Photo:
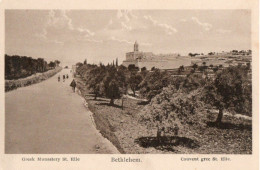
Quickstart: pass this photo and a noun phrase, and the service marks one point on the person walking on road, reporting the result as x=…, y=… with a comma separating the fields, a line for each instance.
x=64, y=78
x=73, y=85
x=59, y=78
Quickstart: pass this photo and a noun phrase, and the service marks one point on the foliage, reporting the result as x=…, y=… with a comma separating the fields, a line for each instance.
x=95, y=79
x=132, y=67
x=153, y=83
x=194, y=66
x=192, y=82
x=193, y=54
x=143, y=73
x=114, y=84
x=109, y=81
x=134, y=80
x=170, y=110
x=22, y=82
x=180, y=69
x=143, y=69
x=116, y=62
x=57, y=63
x=215, y=69
x=232, y=90
x=23, y=66
x=52, y=64
x=79, y=64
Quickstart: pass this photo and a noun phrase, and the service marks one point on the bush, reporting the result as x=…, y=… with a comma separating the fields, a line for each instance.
x=170, y=110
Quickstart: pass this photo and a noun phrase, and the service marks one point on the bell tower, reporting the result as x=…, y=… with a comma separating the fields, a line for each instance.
x=136, y=46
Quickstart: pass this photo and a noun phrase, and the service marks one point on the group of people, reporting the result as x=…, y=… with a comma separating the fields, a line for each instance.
x=72, y=84
x=64, y=77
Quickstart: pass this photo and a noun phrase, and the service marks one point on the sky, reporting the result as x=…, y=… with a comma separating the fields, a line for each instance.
x=72, y=36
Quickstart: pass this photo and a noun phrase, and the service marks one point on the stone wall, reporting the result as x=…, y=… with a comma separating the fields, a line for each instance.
x=165, y=64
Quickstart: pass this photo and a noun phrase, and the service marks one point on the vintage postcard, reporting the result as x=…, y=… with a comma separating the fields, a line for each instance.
x=129, y=85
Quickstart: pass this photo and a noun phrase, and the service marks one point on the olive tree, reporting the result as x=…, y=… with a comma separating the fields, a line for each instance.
x=231, y=90
x=95, y=79
x=170, y=110
x=134, y=80
x=114, y=83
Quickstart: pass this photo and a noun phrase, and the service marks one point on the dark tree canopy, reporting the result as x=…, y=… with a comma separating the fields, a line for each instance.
x=23, y=66
x=132, y=67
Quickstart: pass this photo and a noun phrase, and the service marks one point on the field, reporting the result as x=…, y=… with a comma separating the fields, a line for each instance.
x=122, y=128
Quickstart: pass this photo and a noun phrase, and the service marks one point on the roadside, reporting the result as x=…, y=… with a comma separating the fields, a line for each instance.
x=38, y=77
x=114, y=123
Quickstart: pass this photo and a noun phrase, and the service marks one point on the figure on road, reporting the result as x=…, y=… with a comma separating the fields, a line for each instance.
x=73, y=85
x=59, y=78
x=64, y=78
x=67, y=76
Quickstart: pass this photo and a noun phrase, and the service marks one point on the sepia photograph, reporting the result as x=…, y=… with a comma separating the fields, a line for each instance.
x=148, y=81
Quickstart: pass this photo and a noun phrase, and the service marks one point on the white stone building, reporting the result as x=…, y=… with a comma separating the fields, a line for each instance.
x=149, y=60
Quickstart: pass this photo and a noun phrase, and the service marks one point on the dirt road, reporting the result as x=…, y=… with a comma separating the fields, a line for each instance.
x=48, y=118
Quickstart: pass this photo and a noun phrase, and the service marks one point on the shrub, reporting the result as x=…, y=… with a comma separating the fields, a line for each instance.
x=171, y=109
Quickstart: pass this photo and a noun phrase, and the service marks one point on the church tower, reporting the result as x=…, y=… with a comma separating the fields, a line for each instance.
x=136, y=46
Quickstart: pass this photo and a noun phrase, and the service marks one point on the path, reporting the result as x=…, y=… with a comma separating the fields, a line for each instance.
x=48, y=118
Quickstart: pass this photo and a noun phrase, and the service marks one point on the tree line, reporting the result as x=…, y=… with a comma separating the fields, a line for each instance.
x=173, y=100
x=233, y=52
x=184, y=99
x=22, y=66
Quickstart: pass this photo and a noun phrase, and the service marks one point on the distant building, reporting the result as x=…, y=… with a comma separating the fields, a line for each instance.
x=149, y=60
x=73, y=68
